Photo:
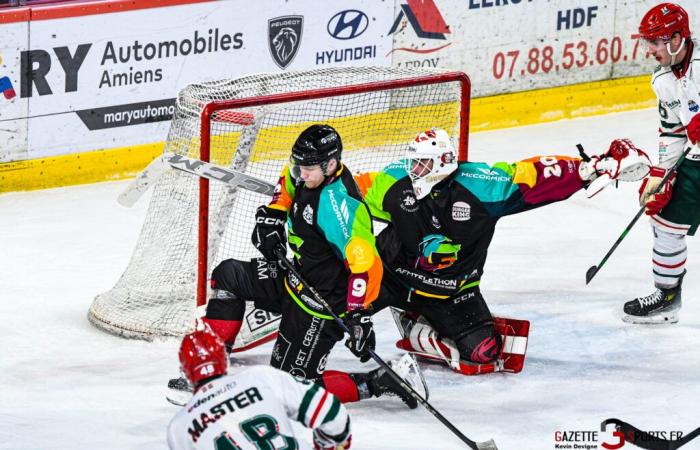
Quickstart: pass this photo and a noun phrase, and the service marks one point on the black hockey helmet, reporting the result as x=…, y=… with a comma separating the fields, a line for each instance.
x=317, y=144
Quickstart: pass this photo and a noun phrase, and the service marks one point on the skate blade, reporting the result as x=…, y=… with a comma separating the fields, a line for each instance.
x=407, y=368
x=487, y=445
x=178, y=398
x=663, y=318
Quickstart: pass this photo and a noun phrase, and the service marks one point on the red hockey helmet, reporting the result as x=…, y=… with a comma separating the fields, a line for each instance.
x=202, y=355
x=663, y=21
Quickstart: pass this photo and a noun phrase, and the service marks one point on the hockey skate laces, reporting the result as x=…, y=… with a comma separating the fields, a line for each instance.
x=651, y=299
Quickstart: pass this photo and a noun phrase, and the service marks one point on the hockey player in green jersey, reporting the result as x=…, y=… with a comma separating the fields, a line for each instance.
x=251, y=409
x=674, y=211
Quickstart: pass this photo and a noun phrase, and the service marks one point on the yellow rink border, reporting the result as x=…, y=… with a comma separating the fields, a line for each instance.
x=487, y=113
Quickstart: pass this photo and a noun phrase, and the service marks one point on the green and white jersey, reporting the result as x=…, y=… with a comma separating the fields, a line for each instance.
x=253, y=409
x=678, y=93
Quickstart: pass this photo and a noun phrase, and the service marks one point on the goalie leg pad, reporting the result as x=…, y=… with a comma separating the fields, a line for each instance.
x=481, y=344
x=422, y=341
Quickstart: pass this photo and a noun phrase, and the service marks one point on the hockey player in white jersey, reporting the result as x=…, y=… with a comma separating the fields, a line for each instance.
x=251, y=409
x=675, y=210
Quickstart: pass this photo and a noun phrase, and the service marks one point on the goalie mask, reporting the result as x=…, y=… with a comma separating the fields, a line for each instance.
x=431, y=158
x=316, y=145
x=202, y=355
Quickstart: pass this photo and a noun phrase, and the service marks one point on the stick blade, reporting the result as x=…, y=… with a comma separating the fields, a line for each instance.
x=590, y=273
x=143, y=181
x=487, y=445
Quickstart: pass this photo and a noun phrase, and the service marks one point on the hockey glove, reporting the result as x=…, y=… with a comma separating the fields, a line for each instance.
x=623, y=161
x=269, y=233
x=361, y=339
x=323, y=441
x=654, y=203
x=693, y=129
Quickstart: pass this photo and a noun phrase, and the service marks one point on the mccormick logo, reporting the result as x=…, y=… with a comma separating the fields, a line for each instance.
x=426, y=21
x=284, y=38
x=348, y=24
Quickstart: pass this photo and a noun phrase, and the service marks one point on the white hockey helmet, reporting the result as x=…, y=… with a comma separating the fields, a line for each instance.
x=431, y=158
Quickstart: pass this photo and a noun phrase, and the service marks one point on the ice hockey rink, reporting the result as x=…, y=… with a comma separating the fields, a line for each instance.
x=66, y=385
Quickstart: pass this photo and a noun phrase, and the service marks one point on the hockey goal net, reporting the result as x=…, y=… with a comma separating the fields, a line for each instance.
x=249, y=124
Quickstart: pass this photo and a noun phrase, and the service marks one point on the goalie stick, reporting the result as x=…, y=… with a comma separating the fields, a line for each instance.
x=593, y=270
x=487, y=445
x=210, y=171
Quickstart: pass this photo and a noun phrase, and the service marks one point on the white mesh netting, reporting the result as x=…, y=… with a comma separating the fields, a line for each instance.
x=156, y=294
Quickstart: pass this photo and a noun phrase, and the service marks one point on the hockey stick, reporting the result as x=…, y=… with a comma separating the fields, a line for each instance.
x=642, y=439
x=593, y=270
x=204, y=169
x=488, y=445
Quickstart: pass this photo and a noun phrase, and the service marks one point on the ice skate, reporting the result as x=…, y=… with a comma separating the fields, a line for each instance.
x=380, y=382
x=179, y=391
x=659, y=307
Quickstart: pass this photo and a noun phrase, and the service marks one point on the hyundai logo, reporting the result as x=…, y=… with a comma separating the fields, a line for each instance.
x=348, y=24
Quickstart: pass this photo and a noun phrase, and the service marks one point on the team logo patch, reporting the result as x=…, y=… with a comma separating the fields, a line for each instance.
x=284, y=38
x=409, y=203
x=693, y=106
x=308, y=301
x=298, y=373
x=280, y=350
x=308, y=214
x=322, y=364
x=461, y=211
x=257, y=319
x=436, y=222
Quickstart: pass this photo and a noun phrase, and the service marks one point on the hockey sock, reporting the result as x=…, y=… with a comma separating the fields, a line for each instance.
x=225, y=315
x=342, y=385
x=227, y=330
x=669, y=257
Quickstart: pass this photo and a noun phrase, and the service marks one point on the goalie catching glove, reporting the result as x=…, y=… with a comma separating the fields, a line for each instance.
x=654, y=203
x=361, y=340
x=269, y=233
x=622, y=162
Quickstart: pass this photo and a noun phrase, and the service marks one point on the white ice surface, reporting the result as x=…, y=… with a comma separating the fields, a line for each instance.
x=66, y=385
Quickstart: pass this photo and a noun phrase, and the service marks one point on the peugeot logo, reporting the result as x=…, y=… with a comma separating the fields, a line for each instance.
x=348, y=24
